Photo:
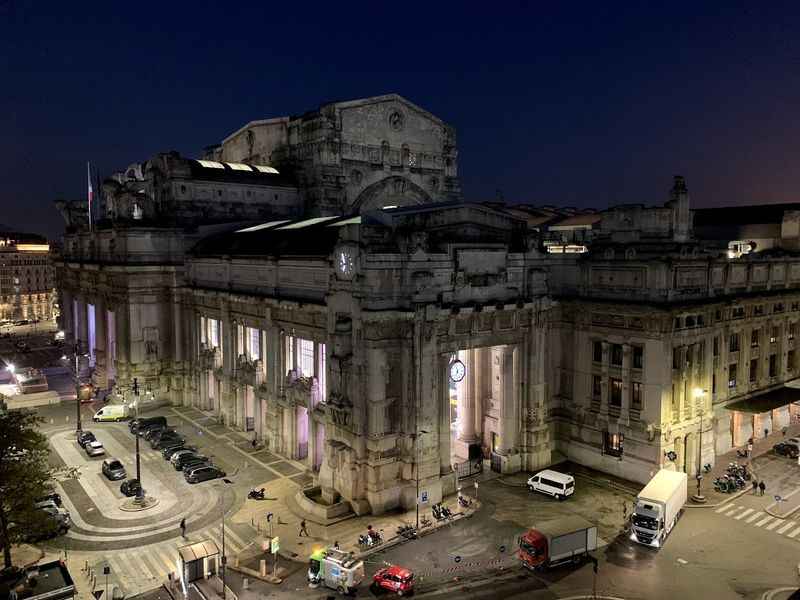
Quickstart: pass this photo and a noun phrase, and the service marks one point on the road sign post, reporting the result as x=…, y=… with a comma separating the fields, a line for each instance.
x=476, y=490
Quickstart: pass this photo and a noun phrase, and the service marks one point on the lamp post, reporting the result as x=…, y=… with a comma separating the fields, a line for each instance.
x=698, y=497
x=76, y=348
x=416, y=459
x=140, y=489
x=224, y=558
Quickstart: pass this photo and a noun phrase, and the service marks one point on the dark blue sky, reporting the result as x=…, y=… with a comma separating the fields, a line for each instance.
x=573, y=105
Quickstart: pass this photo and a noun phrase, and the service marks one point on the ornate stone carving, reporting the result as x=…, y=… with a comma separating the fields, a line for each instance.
x=397, y=120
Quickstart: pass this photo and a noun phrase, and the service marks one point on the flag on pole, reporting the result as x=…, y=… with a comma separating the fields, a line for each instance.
x=91, y=192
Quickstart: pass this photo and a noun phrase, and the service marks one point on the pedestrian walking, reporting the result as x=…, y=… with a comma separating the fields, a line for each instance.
x=303, y=529
x=766, y=432
x=762, y=486
x=755, y=486
x=183, y=527
x=336, y=544
x=749, y=450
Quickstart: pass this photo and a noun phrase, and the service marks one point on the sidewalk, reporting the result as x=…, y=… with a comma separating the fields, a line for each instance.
x=761, y=447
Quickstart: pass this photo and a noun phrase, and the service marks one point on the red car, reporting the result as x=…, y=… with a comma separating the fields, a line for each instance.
x=395, y=579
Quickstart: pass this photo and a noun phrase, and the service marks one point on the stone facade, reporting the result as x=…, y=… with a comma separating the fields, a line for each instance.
x=27, y=278
x=329, y=325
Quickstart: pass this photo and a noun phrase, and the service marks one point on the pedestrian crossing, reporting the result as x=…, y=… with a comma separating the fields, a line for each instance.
x=140, y=569
x=761, y=520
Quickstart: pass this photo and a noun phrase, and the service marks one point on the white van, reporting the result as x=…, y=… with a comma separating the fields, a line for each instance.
x=553, y=484
x=112, y=412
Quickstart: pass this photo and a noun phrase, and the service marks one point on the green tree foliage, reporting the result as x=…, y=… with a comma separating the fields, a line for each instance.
x=25, y=476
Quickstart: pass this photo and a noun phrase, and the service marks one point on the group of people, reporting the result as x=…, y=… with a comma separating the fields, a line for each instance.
x=758, y=487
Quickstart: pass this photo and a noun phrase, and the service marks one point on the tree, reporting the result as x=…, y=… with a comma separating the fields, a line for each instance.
x=25, y=476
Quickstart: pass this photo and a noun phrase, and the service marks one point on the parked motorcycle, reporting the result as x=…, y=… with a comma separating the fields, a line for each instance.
x=407, y=531
x=256, y=494
x=371, y=538
x=464, y=502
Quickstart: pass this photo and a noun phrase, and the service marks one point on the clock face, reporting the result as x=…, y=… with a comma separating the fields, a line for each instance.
x=344, y=263
x=457, y=370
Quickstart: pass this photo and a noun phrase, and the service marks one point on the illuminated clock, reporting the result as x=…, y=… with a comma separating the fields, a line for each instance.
x=457, y=370
x=344, y=263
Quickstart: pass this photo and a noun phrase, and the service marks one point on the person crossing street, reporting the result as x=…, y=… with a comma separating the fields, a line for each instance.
x=183, y=527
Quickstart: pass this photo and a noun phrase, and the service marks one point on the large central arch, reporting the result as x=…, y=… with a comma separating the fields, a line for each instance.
x=392, y=191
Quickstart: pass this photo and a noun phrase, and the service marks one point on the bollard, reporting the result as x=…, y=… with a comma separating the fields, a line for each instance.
x=245, y=583
x=262, y=567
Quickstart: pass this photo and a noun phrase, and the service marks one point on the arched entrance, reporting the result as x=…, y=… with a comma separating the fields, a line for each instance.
x=392, y=191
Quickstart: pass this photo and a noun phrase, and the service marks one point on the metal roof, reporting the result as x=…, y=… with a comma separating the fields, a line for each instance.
x=198, y=550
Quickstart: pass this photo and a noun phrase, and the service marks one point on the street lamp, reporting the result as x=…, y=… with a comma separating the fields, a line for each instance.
x=416, y=459
x=224, y=558
x=699, y=394
x=140, y=489
x=76, y=348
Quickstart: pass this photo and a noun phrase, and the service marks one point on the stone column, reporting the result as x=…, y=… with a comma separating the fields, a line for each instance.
x=442, y=391
x=100, y=349
x=604, y=391
x=82, y=333
x=627, y=387
x=509, y=419
x=66, y=318
x=471, y=387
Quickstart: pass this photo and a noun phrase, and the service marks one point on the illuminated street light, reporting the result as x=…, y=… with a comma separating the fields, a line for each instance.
x=11, y=368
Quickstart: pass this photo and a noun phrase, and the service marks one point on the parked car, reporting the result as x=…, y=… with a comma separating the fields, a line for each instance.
x=191, y=460
x=166, y=440
x=55, y=497
x=169, y=451
x=84, y=437
x=203, y=473
x=177, y=455
x=154, y=430
x=395, y=579
x=552, y=483
x=94, y=448
x=130, y=487
x=113, y=469
x=793, y=441
x=141, y=421
x=785, y=449
x=155, y=433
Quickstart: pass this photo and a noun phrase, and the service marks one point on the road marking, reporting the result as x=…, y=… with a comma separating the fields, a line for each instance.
x=143, y=566
x=754, y=516
x=730, y=513
x=159, y=569
x=764, y=520
x=743, y=514
x=794, y=533
x=723, y=508
x=236, y=538
x=772, y=526
x=787, y=527
x=163, y=555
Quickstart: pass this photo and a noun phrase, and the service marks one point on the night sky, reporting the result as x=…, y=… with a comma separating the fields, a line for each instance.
x=578, y=105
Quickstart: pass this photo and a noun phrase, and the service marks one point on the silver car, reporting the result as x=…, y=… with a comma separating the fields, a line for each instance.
x=113, y=469
x=95, y=448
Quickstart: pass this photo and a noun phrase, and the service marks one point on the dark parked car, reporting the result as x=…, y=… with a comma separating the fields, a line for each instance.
x=130, y=487
x=155, y=431
x=785, y=449
x=168, y=451
x=134, y=424
x=113, y=469
x=55, y=497
x=190, y=459
x=182, y=452
x=85, y=437
x=166, y=440
x=203, y=473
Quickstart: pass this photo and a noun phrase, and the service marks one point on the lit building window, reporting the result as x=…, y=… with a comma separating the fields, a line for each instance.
x=612, y=444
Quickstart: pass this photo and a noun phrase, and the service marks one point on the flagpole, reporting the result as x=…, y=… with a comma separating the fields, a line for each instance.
x=91, y=191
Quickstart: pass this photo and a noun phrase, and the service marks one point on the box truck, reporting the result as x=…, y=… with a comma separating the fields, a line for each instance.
x=658, y=507
x=549, y=544
x=335, y=569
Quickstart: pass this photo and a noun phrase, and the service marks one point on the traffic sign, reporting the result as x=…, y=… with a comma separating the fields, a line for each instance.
x=423, y=497
x=476, y=485
x=275, y=545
